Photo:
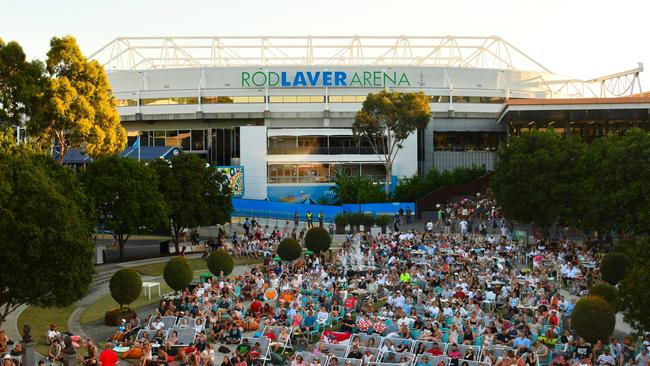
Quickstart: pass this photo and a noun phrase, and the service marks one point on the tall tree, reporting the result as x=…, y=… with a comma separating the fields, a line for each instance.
x=387, y=119
x=634, y=290
x=125, y=194
x=619, y=175
x=78, y=109
x=46, y=256
x=22, y=84
x=197, y=195
x=539, y=176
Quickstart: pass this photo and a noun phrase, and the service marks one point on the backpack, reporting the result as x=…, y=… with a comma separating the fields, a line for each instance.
x=223, y=349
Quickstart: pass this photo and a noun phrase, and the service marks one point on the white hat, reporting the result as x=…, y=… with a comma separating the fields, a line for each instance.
x=7, y=357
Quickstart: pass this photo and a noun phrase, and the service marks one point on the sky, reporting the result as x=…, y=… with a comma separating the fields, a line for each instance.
x=577, y=38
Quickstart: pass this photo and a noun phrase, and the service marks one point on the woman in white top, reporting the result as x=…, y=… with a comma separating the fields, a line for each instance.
x=207, y=355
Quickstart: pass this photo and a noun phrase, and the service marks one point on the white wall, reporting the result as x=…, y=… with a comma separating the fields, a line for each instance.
x=406, y=161
x=253, y=158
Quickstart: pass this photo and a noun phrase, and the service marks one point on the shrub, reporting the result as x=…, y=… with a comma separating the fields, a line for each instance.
x=318, y=240
x=356, y=219
x=125, y=286
x=383, y=220
x=289, y=250
x=367, y=220
x=342, y=218
x=178, y=273
x=607, y=292
x=593, y=319
x=614, y=266
x=220, y=261
x=114, y=317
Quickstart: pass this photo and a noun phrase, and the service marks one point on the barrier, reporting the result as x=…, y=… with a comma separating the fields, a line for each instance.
x=285, y=210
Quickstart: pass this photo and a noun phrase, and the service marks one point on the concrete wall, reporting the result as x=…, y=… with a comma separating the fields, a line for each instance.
x=253, y=158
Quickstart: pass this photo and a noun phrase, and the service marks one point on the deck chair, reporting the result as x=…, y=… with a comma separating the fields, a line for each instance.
x=432, y=360
x=276, y=330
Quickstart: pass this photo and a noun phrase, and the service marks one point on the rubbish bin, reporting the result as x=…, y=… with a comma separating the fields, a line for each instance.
x=164, y=247
x=203, y=278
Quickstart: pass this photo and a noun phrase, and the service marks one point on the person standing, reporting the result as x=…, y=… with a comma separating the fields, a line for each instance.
x=408, y=215
x=321, y=218
x=108, y=357
x=247, y=227
x=310, y=219
x=295, y=219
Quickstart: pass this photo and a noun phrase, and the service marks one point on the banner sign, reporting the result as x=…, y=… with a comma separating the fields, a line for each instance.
x=235, y=176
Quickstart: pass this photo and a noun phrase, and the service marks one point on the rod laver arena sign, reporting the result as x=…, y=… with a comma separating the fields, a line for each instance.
x=307, y=79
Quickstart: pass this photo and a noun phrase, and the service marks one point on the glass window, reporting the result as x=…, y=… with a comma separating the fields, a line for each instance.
x=184, y=139
x=312, y=145
x=282, y=173
x=467, y=141
x=347, y=98
x=376, y=172
x=198, y=140
x=282, y=145
x=144, y=138
x=159, y=138
x=126, y=102
x=256, y=99
x=313, y=173
x=232, y=99
x=171, y=138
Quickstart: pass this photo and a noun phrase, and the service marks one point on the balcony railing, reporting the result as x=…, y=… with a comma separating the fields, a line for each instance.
x=290, y=179
x=299, y=150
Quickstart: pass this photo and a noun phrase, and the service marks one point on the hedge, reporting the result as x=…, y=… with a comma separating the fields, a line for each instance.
x=607, y=292
x=289, y=250
x=125, y=286
x=614, y=266
x=178, y=273
x=318, y=240
x=593, y=319
x=220, y=261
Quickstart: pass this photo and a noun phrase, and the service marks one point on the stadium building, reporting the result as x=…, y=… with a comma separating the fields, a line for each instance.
x=278, y=110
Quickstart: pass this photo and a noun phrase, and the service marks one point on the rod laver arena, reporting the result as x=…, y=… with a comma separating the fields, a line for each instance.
x=280, y=109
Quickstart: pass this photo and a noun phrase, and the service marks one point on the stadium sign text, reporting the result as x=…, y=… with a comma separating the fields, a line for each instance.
x=298, y=79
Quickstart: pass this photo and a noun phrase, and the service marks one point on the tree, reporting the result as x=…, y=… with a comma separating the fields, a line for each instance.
x=593, y=319
x=318, y=240
x=539, y=177
x=634, y=289
x=410, y=189
x=126, y=197
x=77, y=108
x=46, y=246
x=178, y=273
x=196, y=194
x=620, y=170
x=220, y=263
x=350, y=189
x=387, y=119
x=614, y=266
x=289, y=249
x=125, y=286
x=22, y=84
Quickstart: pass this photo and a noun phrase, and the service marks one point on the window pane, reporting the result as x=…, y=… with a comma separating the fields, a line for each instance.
x=159, y=138
x=335, y=98
x=256, y=99
x=197, y=140
x=239, y=99
x=171, y=138
x=317, y=99
x=184, y=138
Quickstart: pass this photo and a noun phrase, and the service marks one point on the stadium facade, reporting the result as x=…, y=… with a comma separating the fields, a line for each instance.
x=280, y=109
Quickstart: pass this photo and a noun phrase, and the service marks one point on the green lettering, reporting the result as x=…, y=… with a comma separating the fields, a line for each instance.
x=366, y=78
x=388, y=78
x=262, y=77
x=404, y=79
x=274, y=78
x=376, y=78
x=355, y=79
x=244, y=79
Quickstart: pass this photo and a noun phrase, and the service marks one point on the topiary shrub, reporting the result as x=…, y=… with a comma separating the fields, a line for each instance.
x=318, y=240
x=220, y=262
x=607, y=292
x=593, y=319
x=368, y=220
x=114, y=317
x=125, y=286
x=289, y=250
x=614, y=266
x=382, y=220
x=342, y=220
x=178, y=273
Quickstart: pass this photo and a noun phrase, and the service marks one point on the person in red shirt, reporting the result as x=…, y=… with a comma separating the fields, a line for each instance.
x=256, y=306
x=459, y=294
x=435, y=350
x=108, y=357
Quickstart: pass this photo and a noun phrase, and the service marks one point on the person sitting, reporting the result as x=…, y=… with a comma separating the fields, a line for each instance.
x=4, y=341
x=255, y=353
x=234, y=334
x=54, y=352
x=91, y=358
x=121, y=331
x=347, y=324
x=52, y=333
x=243, y=348
x=157, y=324
x=282, y=339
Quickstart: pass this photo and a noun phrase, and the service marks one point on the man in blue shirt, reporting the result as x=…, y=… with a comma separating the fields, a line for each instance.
x=521, y=342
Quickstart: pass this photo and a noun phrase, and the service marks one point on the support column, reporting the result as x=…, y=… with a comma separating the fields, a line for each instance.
x=29, y=353
x=70, y=359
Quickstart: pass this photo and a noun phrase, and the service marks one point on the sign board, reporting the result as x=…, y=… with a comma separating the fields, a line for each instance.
x=235, y=176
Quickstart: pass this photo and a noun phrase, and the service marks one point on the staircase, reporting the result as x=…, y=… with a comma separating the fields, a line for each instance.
x=425, y=205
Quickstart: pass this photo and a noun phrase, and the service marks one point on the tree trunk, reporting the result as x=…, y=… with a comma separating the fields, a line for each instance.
x=389, y=168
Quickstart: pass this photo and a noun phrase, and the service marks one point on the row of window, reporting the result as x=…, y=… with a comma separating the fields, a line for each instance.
x=467, y=141
x=318, y=145
x=322, y=172
x=188, y=140
x=289, y=99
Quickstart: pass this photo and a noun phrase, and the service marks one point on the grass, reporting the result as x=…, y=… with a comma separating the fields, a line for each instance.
x=156, y=269
x=97, y=310
x=39, y=319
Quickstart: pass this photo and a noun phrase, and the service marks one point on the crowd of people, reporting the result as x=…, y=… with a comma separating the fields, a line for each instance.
x=460, y=292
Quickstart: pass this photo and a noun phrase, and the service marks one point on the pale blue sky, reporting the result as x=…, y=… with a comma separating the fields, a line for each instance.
x=571, y=37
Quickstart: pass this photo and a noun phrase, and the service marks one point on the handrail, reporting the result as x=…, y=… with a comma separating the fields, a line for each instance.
x=446, y=193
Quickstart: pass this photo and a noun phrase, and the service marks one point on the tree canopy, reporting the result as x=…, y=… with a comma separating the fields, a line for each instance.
x=46, y=246
x=77, y=108
x=387, y=119
x=22, y=84
x=634, y=289
x=539, y=178
x=196, y=194
x=356, y=189
x=125, y=195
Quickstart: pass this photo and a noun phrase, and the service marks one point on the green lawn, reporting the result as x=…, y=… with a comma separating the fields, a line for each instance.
x=39, y=319
x=156, y=269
